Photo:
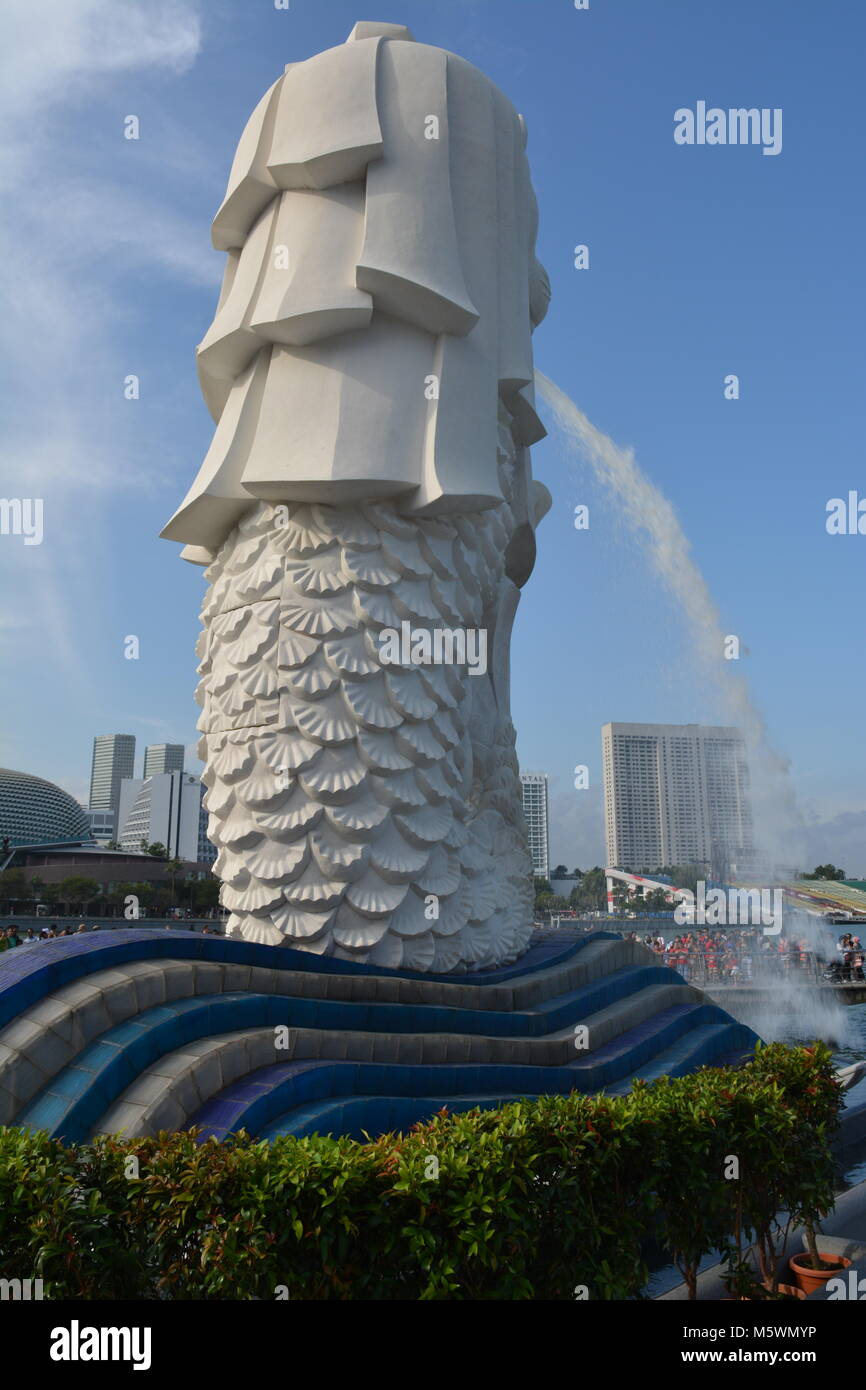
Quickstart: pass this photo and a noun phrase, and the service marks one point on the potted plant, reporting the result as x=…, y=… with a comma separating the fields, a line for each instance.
x=690, y=1141
x=814, y=1267
x=812, y=1092
x=780, y=1112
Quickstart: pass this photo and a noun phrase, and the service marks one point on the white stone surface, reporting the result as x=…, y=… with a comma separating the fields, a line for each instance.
x=369, y=369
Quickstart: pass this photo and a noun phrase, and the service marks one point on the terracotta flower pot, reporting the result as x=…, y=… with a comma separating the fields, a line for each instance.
x=809, y=1279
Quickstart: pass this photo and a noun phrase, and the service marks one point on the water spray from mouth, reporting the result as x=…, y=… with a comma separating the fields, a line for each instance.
x=651, y=518
x=793, y=1010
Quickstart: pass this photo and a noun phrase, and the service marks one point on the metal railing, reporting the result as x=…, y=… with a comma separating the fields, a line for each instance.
x=720, y=968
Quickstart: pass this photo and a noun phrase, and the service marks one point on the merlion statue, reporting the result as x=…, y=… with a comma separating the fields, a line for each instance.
x=366, y=511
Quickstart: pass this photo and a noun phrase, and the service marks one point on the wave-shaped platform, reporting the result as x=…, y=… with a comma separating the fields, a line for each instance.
x=140, y=1030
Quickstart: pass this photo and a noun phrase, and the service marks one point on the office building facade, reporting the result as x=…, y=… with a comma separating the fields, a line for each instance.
x=163, y=757
x=113, y=760
x=677, y=794
x=535, y=813
x=165, y=809
x=101, y=826
x=207, y=852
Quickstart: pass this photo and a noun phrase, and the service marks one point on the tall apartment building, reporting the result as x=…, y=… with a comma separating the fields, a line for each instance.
x=676, y=794
x=113, y=760
x=165, y=809
x=207, y=851
x=534, y=786
x=163, y=757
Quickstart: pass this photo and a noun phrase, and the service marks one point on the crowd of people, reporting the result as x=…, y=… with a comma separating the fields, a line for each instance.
x=850, y=959
x=731, y=956
x=28, y=936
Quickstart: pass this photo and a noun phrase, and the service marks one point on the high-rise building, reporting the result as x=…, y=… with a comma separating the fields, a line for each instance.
x=534, y=786
x=163, y=757
x=101, y=826
x=113, y=759
x=676, y=794
x=165, y=809
x=207, y=851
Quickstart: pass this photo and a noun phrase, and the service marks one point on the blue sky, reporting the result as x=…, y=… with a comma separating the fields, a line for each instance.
x=703, y=261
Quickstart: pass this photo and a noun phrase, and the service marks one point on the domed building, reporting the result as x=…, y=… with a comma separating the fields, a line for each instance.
x=36, y=812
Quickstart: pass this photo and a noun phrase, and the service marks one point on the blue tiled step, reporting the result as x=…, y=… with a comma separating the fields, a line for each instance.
x=29, y=975
x=624, y=1055
x=83, y=1090
x=254, y=1101
x=698, y=1048
x=674, y=1038
x=360, y=1115
x=74, y=1099
x=79, y=1012
x=371, y=1115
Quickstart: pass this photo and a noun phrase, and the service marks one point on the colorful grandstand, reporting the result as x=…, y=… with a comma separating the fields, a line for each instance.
x=827, y=895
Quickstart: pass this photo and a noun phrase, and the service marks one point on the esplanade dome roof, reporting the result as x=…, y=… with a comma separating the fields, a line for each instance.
x=36, y=812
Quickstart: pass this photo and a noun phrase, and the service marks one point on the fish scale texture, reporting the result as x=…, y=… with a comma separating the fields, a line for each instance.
x=361, y=809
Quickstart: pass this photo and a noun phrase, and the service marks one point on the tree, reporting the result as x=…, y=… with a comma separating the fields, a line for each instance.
x=550, y=902
x=13, y=886
x=144, y=892
x=78, y=891
x=622, y=899
x=157, y=850
x=118, y=893
x=828, y=873
x=173, y=868
x=683, y=875
x=541, y=885
x=590, y=893
x=560, y=872
x=206, y=893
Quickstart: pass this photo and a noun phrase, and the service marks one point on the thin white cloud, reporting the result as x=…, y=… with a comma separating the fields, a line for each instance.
x=119, y=227
x=52, y=51
x=71, y=233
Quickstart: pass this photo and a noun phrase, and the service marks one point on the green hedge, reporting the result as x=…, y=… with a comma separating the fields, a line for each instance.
x=547, y=1199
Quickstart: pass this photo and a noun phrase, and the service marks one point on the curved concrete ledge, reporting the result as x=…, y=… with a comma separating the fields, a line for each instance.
x=176, y=1090
x=360, y=1115
x=29, y=975
x=180, y=1083
x=50, y=1034
x=143, y=1033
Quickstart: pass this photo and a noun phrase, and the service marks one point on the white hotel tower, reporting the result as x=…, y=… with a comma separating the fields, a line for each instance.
x=676, y=794
x=534, y=786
